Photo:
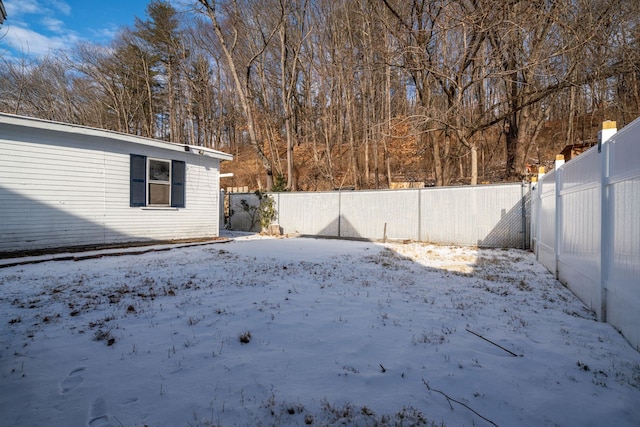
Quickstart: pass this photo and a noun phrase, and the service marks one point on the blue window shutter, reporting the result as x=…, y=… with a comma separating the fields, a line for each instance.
x=177, y=183
x=137, y=186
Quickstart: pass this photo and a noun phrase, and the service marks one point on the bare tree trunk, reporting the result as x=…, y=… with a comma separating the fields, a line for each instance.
x=243, y=90
x=387, y=161
x=511, y=137
x=355, y=164
x=569, y=138
x=438, y=163
x=474, y=164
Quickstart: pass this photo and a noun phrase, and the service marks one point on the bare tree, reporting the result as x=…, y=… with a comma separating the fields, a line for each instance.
x=255, y=39
x=337, y=93
x=292, y=33
x=127, y=81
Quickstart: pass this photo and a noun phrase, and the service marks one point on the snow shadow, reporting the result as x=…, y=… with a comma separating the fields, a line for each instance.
x=501, y=235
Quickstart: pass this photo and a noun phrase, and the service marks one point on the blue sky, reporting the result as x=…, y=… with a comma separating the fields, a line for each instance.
x=35, y=28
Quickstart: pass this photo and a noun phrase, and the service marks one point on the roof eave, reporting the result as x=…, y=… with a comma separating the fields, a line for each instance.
x=101, y=133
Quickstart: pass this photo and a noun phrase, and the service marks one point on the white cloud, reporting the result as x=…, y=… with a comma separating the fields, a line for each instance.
x=54, y=25
x=34, y=27
x=17, y=8
x=61, y=6
x=32, y=43
x=105, y=33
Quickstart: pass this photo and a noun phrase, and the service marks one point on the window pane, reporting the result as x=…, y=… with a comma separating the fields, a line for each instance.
x=158, y=170
x=159, y=194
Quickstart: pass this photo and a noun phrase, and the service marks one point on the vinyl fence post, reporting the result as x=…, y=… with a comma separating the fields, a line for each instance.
x=523, y=217
x=608, y=130
x=558, y=229
x=533, y=225
x=541, y=172
x=419, y=215
x=339, y=212
x=559, y=208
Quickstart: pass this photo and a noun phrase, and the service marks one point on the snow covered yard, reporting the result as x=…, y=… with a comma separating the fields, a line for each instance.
x=264, y=331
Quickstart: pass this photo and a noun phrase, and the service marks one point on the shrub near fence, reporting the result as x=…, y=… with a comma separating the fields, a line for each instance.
x=486, y=216
x=587, y=229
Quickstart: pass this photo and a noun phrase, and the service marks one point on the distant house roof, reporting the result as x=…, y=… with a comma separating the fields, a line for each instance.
x=3, y=12
x=571, y=151
x=100, y=133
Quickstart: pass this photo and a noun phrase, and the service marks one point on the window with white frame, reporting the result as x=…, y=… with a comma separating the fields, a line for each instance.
x=159, y=182
x=156, y=182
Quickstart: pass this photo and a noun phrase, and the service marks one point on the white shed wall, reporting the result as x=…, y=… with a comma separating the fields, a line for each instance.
x=61, y=189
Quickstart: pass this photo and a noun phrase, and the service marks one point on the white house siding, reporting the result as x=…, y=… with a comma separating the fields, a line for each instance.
x=69, y=186
x=198, y=219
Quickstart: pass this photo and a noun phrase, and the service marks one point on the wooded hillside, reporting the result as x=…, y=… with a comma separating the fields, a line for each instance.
x=324, y=94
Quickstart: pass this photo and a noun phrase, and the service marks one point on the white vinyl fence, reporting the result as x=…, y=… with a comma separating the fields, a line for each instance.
x=486, y=216
x=586, y=228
